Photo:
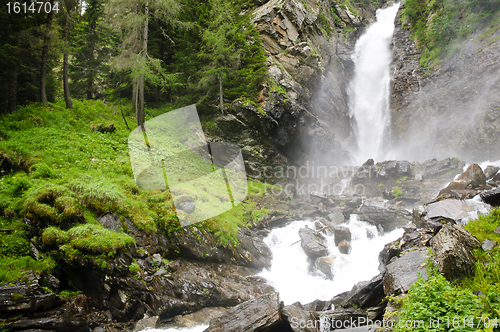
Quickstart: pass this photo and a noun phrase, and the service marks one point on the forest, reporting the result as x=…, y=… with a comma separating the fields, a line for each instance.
x=150, y=52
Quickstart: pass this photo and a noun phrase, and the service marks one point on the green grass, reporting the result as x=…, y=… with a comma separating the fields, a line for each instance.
x=13, y=268
x=438, y=298
x=61, y=175
x=440, y=26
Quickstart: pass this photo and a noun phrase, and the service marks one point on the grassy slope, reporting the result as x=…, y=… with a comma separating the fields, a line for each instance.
x=60, y=174
x=436, y=298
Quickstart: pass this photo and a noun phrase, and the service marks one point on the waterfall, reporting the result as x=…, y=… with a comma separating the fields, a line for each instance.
x=370, y=88
x=290, y=274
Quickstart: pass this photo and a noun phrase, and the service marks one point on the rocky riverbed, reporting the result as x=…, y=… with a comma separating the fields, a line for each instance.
x=212, y=284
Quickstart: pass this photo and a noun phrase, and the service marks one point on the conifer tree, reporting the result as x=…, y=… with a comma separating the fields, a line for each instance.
x=132, y=19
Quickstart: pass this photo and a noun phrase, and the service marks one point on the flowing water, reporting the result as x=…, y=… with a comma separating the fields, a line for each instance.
x=290, y=275
x=369, y=97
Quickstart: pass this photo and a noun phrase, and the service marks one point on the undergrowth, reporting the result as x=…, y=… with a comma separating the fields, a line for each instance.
x=439, y=26
x=472, y=304
x=58, y=176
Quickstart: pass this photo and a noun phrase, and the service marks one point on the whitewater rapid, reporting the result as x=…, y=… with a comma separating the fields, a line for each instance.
x=290, y=275
x=369, y=95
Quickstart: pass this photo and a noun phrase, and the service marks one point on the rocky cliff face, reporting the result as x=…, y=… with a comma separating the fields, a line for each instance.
x=305, y=102
x=452, y=109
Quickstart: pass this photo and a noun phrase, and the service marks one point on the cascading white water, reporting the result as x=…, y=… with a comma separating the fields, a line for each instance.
x=290, y=275
x=369, y=97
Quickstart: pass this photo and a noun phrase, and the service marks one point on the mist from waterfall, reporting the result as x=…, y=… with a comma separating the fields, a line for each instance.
x=370, y=88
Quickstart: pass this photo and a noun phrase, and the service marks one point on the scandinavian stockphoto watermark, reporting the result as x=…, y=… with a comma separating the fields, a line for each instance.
x=170, y=153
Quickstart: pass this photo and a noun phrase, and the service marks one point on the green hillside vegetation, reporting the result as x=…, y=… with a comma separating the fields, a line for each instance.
x=470, y=305
x=60, y=175
x=439, y=26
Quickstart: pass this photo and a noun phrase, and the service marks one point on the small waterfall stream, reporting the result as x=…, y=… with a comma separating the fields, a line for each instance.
x=369, y=97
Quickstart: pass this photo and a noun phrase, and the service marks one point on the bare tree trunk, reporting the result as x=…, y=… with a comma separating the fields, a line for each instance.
x=12, y=93
x=134, y=95
x=221, y=105
x=45, y=51
x=140, y=114
x=67, y=98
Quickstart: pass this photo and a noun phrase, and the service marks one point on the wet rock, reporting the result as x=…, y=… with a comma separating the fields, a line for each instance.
x=111, y=221
x=318, y=305
x=325, y=264
x=153, y=242
x=472, y=178
x=63, y=318
x=201, y=317
x=147, y=323
x=259, y=314
x=191, y=286
x=491, y=197
x=496, y=178
x=434, y=168
x=404, y=271
x=452, y=210
x=336, y=216
x=385, y=214
x=366, y=293
x=491, y=171
x=488, y=245
x=313, y=243
x=452, y=252
x=344, y=247
x=299, y=319
x=26, y=295
x=200, y=245
x=341, y=233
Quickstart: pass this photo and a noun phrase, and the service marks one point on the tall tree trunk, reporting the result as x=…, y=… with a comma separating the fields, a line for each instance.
x=134, y=95
x=140, y=114
x=67, y=98
x=12, y=93
x=221, y=105
x=45, y=51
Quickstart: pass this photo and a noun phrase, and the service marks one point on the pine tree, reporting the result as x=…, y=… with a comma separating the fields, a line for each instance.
x=132, y=18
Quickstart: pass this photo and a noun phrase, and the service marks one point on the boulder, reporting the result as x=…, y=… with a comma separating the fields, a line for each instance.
x=313, y=243
x=147, y=323
x=472, y=178
x=318, y=305
x=366, y=293
x=434, y=168
x=299, y=319
x=201, y=317
x=385, y=214
x=452, y=251
x=496, y=178
x=259, y=314
x=325, y=264
x=341, y=233
x=336, y=216
x=344, y=247
x=453, y=210
x=488, y=245
x=491, y=171
x=404, y=271
x=491, y=197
